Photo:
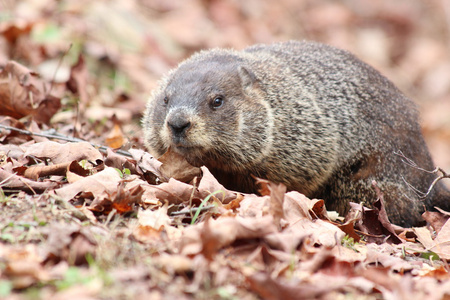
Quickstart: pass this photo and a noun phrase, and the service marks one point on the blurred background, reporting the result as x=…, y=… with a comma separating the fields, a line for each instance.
x=127, y=45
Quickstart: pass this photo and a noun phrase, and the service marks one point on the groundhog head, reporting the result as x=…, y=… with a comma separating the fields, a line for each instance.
x=210, y=110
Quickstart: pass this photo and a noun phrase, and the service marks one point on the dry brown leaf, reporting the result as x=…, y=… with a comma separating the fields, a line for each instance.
x=318, y=209
x=13, y=181
x=108, y=113
x=146, y=162
x=234, y=204
x=152, y=223
x=68, y=241
x=148, y=197
x=210, y=242
x=440, y=273
x=276, y=203
x=296, y=206
x=75, y=168
x=263, y=186
x=12, y=30
x=274, y=288
x=121, y=162
x=209, y=184
x=320, y=232
x=349, y=229
x=123, y=199
x=22, y=93
x=34, y=172
x=157, y=219
x=375, y=225
x=175, y=192
x=60, y=153
x=287, y=241
x=176, y=166
x=23, y=265
x=12, y=151
x=254, y=206
x=225, y=231
x=115, y=139
x=436, y=219
x=441, y=243
x=384, y=220
x=77, y=82
x=377, y=256
x=424, y=237
x=174, y=263
x=104, y=181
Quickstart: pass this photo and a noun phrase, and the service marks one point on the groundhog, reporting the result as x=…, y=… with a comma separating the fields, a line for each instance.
x=305, y=114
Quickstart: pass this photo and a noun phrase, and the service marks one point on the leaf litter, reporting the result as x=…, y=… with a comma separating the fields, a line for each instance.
x=78, y=221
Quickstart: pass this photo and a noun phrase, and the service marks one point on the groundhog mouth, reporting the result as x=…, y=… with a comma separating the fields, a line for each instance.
x=182, y=149
x=193, y=155
x=185, y=150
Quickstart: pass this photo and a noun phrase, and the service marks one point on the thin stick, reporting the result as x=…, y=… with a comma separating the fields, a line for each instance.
x=192, y=210
x=438, y=170
x=63, y=138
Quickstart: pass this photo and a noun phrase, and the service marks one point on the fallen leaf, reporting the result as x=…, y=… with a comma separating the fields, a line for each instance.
x=274, y=288
x=115, y=139
x=176, y=166
x=148, y=197
x=225, y=231
x=436, y=219
x=349, y=229
x=123, y=200
x=147, y=163
x=152, y=223
x=23, y=266
x=37, y=171
x=375, y=256
x=318, y=209
x=441, y=243
x=104, y=181
x=175, y=192
x=68, y=241
x=60, y=153
x=12, y=30
x=156, y=219
x=77, y=83
x=22, y=93
x=209, y=184
x=15, y=182
x=377, y=227
x=276, y=203
x=296, y=206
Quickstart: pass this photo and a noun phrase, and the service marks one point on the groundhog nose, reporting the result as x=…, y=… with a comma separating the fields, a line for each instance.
x=179, y=126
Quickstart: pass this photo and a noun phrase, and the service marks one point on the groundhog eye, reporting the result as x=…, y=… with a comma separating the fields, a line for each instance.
x=217, y=102
x=166, y=100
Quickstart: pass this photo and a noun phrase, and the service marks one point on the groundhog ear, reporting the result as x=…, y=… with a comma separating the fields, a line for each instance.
x=248, y=79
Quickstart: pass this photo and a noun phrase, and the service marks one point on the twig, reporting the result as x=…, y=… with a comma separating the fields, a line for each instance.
x=63, y=138
x=438, y=170
x=57, y=68
x=192, y=210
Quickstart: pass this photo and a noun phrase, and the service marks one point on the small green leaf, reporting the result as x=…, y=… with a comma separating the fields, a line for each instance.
x=120, y=172
x=429, y=255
